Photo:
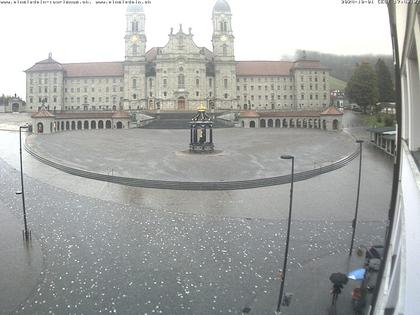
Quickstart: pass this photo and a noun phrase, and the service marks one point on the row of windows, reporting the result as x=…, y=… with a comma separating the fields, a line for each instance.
x=302, y=78
x=85, y=89
x=85, y=81
x=45, y=99
x=279, y=97
x=265, y=79
x=259, y=87
x=92, y=99
x=31, y=89
x=40, y=80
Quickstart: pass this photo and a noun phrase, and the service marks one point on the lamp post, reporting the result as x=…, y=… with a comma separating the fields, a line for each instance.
x=26, y=232
x=286, y=251
x=353, y=224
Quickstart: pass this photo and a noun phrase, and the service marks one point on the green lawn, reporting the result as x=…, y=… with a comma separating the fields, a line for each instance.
x=378, y=120
x=337, y=84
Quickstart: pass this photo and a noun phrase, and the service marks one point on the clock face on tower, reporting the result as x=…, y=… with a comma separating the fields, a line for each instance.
x=223, y=38
x=134, y=39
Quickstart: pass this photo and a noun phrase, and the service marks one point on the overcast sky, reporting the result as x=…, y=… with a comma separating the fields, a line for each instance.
x=263, y=30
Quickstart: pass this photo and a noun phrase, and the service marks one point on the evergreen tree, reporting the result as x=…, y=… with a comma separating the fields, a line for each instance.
x=362, y=87
x=385, y=85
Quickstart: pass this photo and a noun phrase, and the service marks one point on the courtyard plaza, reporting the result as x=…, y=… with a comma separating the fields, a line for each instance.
x=129, y=250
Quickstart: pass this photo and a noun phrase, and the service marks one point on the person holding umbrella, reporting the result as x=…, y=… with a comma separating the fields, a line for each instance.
x=338, y=279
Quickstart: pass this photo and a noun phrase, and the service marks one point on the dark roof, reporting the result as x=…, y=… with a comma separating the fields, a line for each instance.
x=221, y=6
x=135, y=8
x=46, y=65
x=43, y=113
x=308, y=64
x=254, y=114
x=94, y=69
x=263, y=67
x=92, y=115
x=249, y=114
x=381, y=130
x=331, y=111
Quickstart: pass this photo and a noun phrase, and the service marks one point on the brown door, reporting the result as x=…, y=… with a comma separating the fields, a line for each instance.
x=181, y=103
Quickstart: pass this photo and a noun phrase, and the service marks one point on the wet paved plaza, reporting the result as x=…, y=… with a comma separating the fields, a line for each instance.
x=113, y=249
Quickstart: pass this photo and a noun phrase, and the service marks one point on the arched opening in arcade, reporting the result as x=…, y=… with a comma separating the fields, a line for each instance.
x=119, y=125
x=40, y=127
x=262, y=123
x=292, y=123
x=67, y=125
x=101, y=124
x=62, y=125
x=79, y=125
x=298, y=123
x=324, y=124
x=15, y=107
x=252, y=124
x=285, y=125
x=243, y=124
x=278, y=122
x=73, y=125
x=108, y=124
x=335, y=124
x=93, y=124
x=86, y=125
x=270, y=123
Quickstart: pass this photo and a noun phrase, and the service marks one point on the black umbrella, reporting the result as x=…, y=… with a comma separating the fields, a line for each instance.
x=339, y=278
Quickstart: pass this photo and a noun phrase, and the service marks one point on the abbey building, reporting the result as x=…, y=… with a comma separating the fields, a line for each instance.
x=178, y=76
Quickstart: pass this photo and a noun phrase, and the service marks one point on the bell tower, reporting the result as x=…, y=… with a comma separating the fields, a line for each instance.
x=224, y=57
x=135, y=37
x=223, y=39
x=135, y=60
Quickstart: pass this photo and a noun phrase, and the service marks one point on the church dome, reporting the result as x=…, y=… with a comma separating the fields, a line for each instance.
x=221, y=6
x=135, y=8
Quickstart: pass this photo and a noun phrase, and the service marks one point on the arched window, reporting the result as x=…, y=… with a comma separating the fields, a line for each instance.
x=252, y=124
x=134, y=50
x=108, y=124
x=224, y=26
x=134, y=83
x=224, y=50
x=181, y=81
x=262, y=123
x=101, y=124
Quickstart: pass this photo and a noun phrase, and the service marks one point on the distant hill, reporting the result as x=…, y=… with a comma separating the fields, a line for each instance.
x=342, y=66
x=337, y=84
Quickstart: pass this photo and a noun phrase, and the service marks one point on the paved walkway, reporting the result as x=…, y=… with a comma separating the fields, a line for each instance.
x=21, y=262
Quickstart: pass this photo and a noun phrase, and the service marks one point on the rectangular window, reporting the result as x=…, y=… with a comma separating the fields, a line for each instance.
x=114, y=89
x=225, y=84
x=31, y=81
x=72, y=90
x=84, y=98
x=302, y=97
x=31, y=90
x=31, y=100
x=252, y=88
x=55, y=99
x=93, y=89
x=210, y=82
x=197, y=93
x=134, y=85
x=226, y=95
x=46, y=89
x=93, y=99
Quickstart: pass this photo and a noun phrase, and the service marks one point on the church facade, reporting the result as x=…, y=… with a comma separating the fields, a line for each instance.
x=178, y=76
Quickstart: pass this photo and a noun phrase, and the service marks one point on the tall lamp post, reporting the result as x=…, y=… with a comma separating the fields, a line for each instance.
x=26, y=232
x=283, y=278
x=353, y=224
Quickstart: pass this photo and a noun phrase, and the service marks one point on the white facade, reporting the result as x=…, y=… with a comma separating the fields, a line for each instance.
x=178, y=76
x=399, y=291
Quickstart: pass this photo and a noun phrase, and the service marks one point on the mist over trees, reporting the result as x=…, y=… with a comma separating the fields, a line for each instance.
x=342, y=66
x=385, y=85
x=362, y=87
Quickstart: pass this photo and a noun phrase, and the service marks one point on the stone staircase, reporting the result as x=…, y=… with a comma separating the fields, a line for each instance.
x=177, y=120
